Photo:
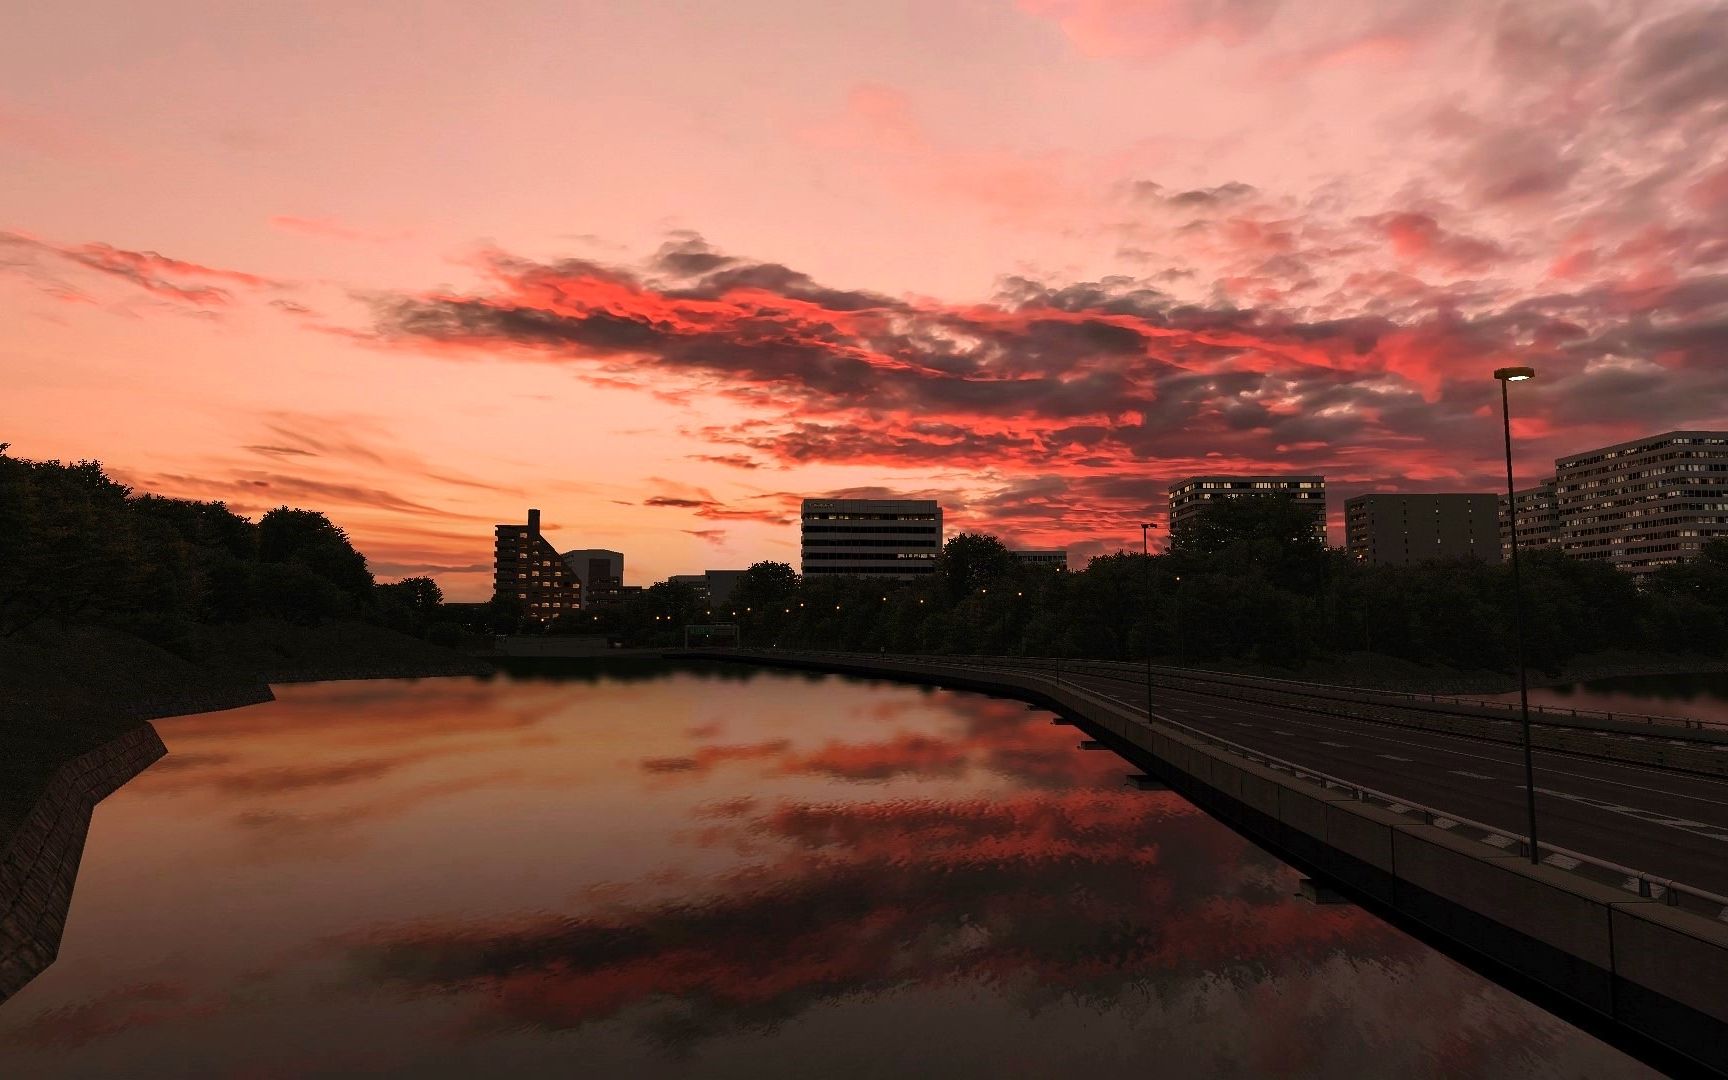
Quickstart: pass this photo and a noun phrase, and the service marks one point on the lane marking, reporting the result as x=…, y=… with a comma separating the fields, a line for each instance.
x=1471, y=775
x=1393, y=757
x=1649, y=817
x=1547, y=768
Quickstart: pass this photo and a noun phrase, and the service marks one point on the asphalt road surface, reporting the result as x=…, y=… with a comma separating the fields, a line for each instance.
x=1662, y=822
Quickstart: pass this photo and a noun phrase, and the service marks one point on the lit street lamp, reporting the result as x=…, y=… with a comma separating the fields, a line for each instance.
x=1507, y=376
x=1146, y=551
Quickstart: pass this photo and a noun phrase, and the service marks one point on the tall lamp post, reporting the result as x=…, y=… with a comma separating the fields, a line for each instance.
x=1508, y=376
x=1146, y=528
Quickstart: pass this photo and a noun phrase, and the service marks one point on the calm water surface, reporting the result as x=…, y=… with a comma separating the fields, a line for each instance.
x=1702, y=697
x=713, y=875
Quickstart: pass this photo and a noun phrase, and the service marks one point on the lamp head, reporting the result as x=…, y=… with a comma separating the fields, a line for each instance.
x=1515, y=374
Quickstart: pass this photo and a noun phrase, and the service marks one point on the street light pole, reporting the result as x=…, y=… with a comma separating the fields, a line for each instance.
x=1146, y=552
x=1508, y=376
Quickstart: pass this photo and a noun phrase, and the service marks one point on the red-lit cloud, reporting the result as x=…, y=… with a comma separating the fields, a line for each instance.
x=172, y=279
x=1114, y=387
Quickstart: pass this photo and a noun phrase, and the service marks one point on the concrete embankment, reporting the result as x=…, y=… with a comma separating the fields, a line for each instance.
x=1650, y=976
x=39, y=854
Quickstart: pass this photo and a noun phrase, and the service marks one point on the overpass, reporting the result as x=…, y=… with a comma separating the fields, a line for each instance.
x=1413, y=806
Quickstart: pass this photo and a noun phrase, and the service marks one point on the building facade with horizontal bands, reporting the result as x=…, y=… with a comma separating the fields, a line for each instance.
x=895, y=538
x=527, y=568
x=1538, y=519
x=1057, y=557
x=1399, y=529
x=1189, y=497
x=1643, y=504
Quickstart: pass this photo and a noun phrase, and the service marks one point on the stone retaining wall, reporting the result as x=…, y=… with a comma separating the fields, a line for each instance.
x=39, y=859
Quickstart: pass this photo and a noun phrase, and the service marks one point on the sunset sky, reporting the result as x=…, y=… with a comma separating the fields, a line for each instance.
x=663, y=268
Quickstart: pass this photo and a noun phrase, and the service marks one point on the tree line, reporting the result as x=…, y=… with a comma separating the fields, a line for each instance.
x=78, y=547
x=1246, y=580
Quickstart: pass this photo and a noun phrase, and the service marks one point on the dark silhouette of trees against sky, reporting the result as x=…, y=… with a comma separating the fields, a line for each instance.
x=79, y=548
x=1248, y=581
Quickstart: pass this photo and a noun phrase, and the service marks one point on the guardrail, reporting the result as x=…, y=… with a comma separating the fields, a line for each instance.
x=1470, y=700
x=1712, y=731
x=1639, y=882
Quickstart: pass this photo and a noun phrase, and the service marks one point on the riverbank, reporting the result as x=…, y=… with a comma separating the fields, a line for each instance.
x=66, y=690
x=1370, y=671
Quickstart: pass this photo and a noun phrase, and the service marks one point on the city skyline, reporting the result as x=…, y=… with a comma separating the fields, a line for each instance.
x=411, y=287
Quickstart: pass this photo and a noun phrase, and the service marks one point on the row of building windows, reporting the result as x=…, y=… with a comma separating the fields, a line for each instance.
x=871, y=543
x=907, y=568
x=892, y=530
x=870, y=517
x=859, y=556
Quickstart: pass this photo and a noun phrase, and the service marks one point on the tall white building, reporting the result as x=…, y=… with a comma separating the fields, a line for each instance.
x=898, y=538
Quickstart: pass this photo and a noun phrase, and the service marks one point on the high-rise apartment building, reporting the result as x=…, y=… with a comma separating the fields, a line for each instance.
x=1189, y=497
x=1538, y=519
x=897, y=538
x=1387, y=529
x=526, y=567
x=1644, y=504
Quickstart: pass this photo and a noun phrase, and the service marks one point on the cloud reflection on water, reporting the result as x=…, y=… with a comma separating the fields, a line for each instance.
x=655, y=875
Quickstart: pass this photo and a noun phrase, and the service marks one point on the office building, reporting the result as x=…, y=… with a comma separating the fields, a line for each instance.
x=609, y=591
x=1384, y=529
x=528, y=568
x=1057, y=557
x=721, y=583
x=698, y=583
x=1189, y=497
x=712, y=587
x=1644, y=504
x=1538, y=520
x=896, y=538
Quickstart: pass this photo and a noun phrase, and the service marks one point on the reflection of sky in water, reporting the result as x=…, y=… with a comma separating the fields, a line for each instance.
x=1701, y=697
x=703, y=876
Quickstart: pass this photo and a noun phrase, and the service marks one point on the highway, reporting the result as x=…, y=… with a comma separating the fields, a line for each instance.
x=1658, y=820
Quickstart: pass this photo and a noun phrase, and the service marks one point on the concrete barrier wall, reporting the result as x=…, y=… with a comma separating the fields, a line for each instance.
x=1654, y=975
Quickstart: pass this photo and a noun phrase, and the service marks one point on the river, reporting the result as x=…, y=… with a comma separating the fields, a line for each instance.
x=652, y=872
x=1699, y=697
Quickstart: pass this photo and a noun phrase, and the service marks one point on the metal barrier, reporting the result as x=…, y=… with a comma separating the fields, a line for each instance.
x=1714, y=731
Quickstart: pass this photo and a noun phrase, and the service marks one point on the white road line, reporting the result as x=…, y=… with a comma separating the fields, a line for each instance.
x=1691, y=828
x=1471, y=775
x=1548, y=769
x=1447, y=823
